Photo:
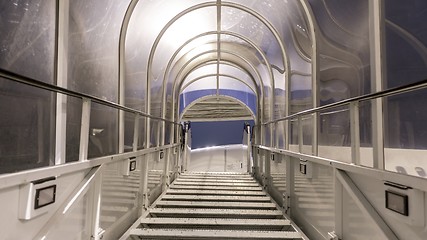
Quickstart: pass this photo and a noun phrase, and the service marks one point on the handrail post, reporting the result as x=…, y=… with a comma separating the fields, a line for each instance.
x=84, y=130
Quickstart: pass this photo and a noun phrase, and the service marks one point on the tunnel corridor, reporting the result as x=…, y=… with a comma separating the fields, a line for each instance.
x=213, y=119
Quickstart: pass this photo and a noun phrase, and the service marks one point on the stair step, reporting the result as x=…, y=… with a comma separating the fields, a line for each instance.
x=216, y=222
x=232, y=188
x=216, y=180
x=215, y=174
x=216, y=177
x=216, y=192
x=177, y=182
x=213, y=234
x=217, y=198
x=215, y=213
x=206, y=204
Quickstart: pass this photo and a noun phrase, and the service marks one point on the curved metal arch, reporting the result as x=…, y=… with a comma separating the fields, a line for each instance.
x=236, y=35
x=213, y=4
x=258, y=91
x=214, y=75
x=122, y=41
x=315, y=71
x=261, y=100
x=216, y=96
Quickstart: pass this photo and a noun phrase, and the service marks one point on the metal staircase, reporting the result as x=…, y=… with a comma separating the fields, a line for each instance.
x=214, y=206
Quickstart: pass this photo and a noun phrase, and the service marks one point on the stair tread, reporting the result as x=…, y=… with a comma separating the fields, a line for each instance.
x=217, y=198
x=233, y=188
x=216, y=192
x=214, y=234
x=209, y=211
x=217, y=221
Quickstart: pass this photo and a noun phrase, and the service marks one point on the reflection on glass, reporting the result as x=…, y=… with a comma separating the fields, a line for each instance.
x=405, y=133
x=74, y=121
x=345, y=51
x=93, y=46
x=365, y=125
x=314, y=199
x=26, y=127
x=118, y=193
x=27, y=39
x=129, y=131
x=155, y=172
x=103, y=131
x=334, y=134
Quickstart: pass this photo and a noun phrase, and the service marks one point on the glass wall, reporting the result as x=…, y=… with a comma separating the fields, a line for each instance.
x=94, y=28
x=26, y=127
x=406, y=62
x=27, y=40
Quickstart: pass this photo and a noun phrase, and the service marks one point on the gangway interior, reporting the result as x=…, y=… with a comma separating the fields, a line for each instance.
x=98, y=98
x=209, y=205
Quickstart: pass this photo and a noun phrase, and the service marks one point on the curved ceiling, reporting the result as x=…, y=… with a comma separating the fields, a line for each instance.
x=216, y=108
x=189, y=35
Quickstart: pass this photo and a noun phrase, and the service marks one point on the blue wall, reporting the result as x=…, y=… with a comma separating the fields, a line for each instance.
x=208, y=134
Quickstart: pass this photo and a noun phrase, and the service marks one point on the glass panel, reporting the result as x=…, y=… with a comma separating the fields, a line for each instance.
x=345, y=49
x=313, y=204
x=278, y=173
x=406, y=40
x=26, y=127
x=142, y=132
x=155, y=128
x=238, y=21
x=94, y=28
x=129, y=131
x=406, y=60
x=202, y=84
x=293, y=146
x=281, y=134
x=74, y=122
x=136, y=54
x=103, y=131
x=280, y=100
x=334, y=134
x=301, y=93
x=155, y=166
x=365, y=125
x=405, y=133
x=27, y=40
x=307, y=134
x=118, y=193
x=75, y=222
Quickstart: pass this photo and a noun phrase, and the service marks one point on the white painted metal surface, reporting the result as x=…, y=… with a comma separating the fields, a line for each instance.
x=212, y=214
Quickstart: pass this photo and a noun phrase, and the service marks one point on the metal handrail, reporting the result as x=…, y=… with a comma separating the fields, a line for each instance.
x=389, y=92
x=53, y=88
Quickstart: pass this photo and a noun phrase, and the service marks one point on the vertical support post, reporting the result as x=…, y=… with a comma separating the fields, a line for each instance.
x=165, y=183
x=290, y=173
x=186, y=139
x=135, y=133
x=121, y=131
x=376, y=26
x=249, y=149
x=315, y=139
x=355, y=133
x=84, y=130
x=300, y=134
x=143, y=187
x=338, y=194
x=95, y=206
x=61, y=80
